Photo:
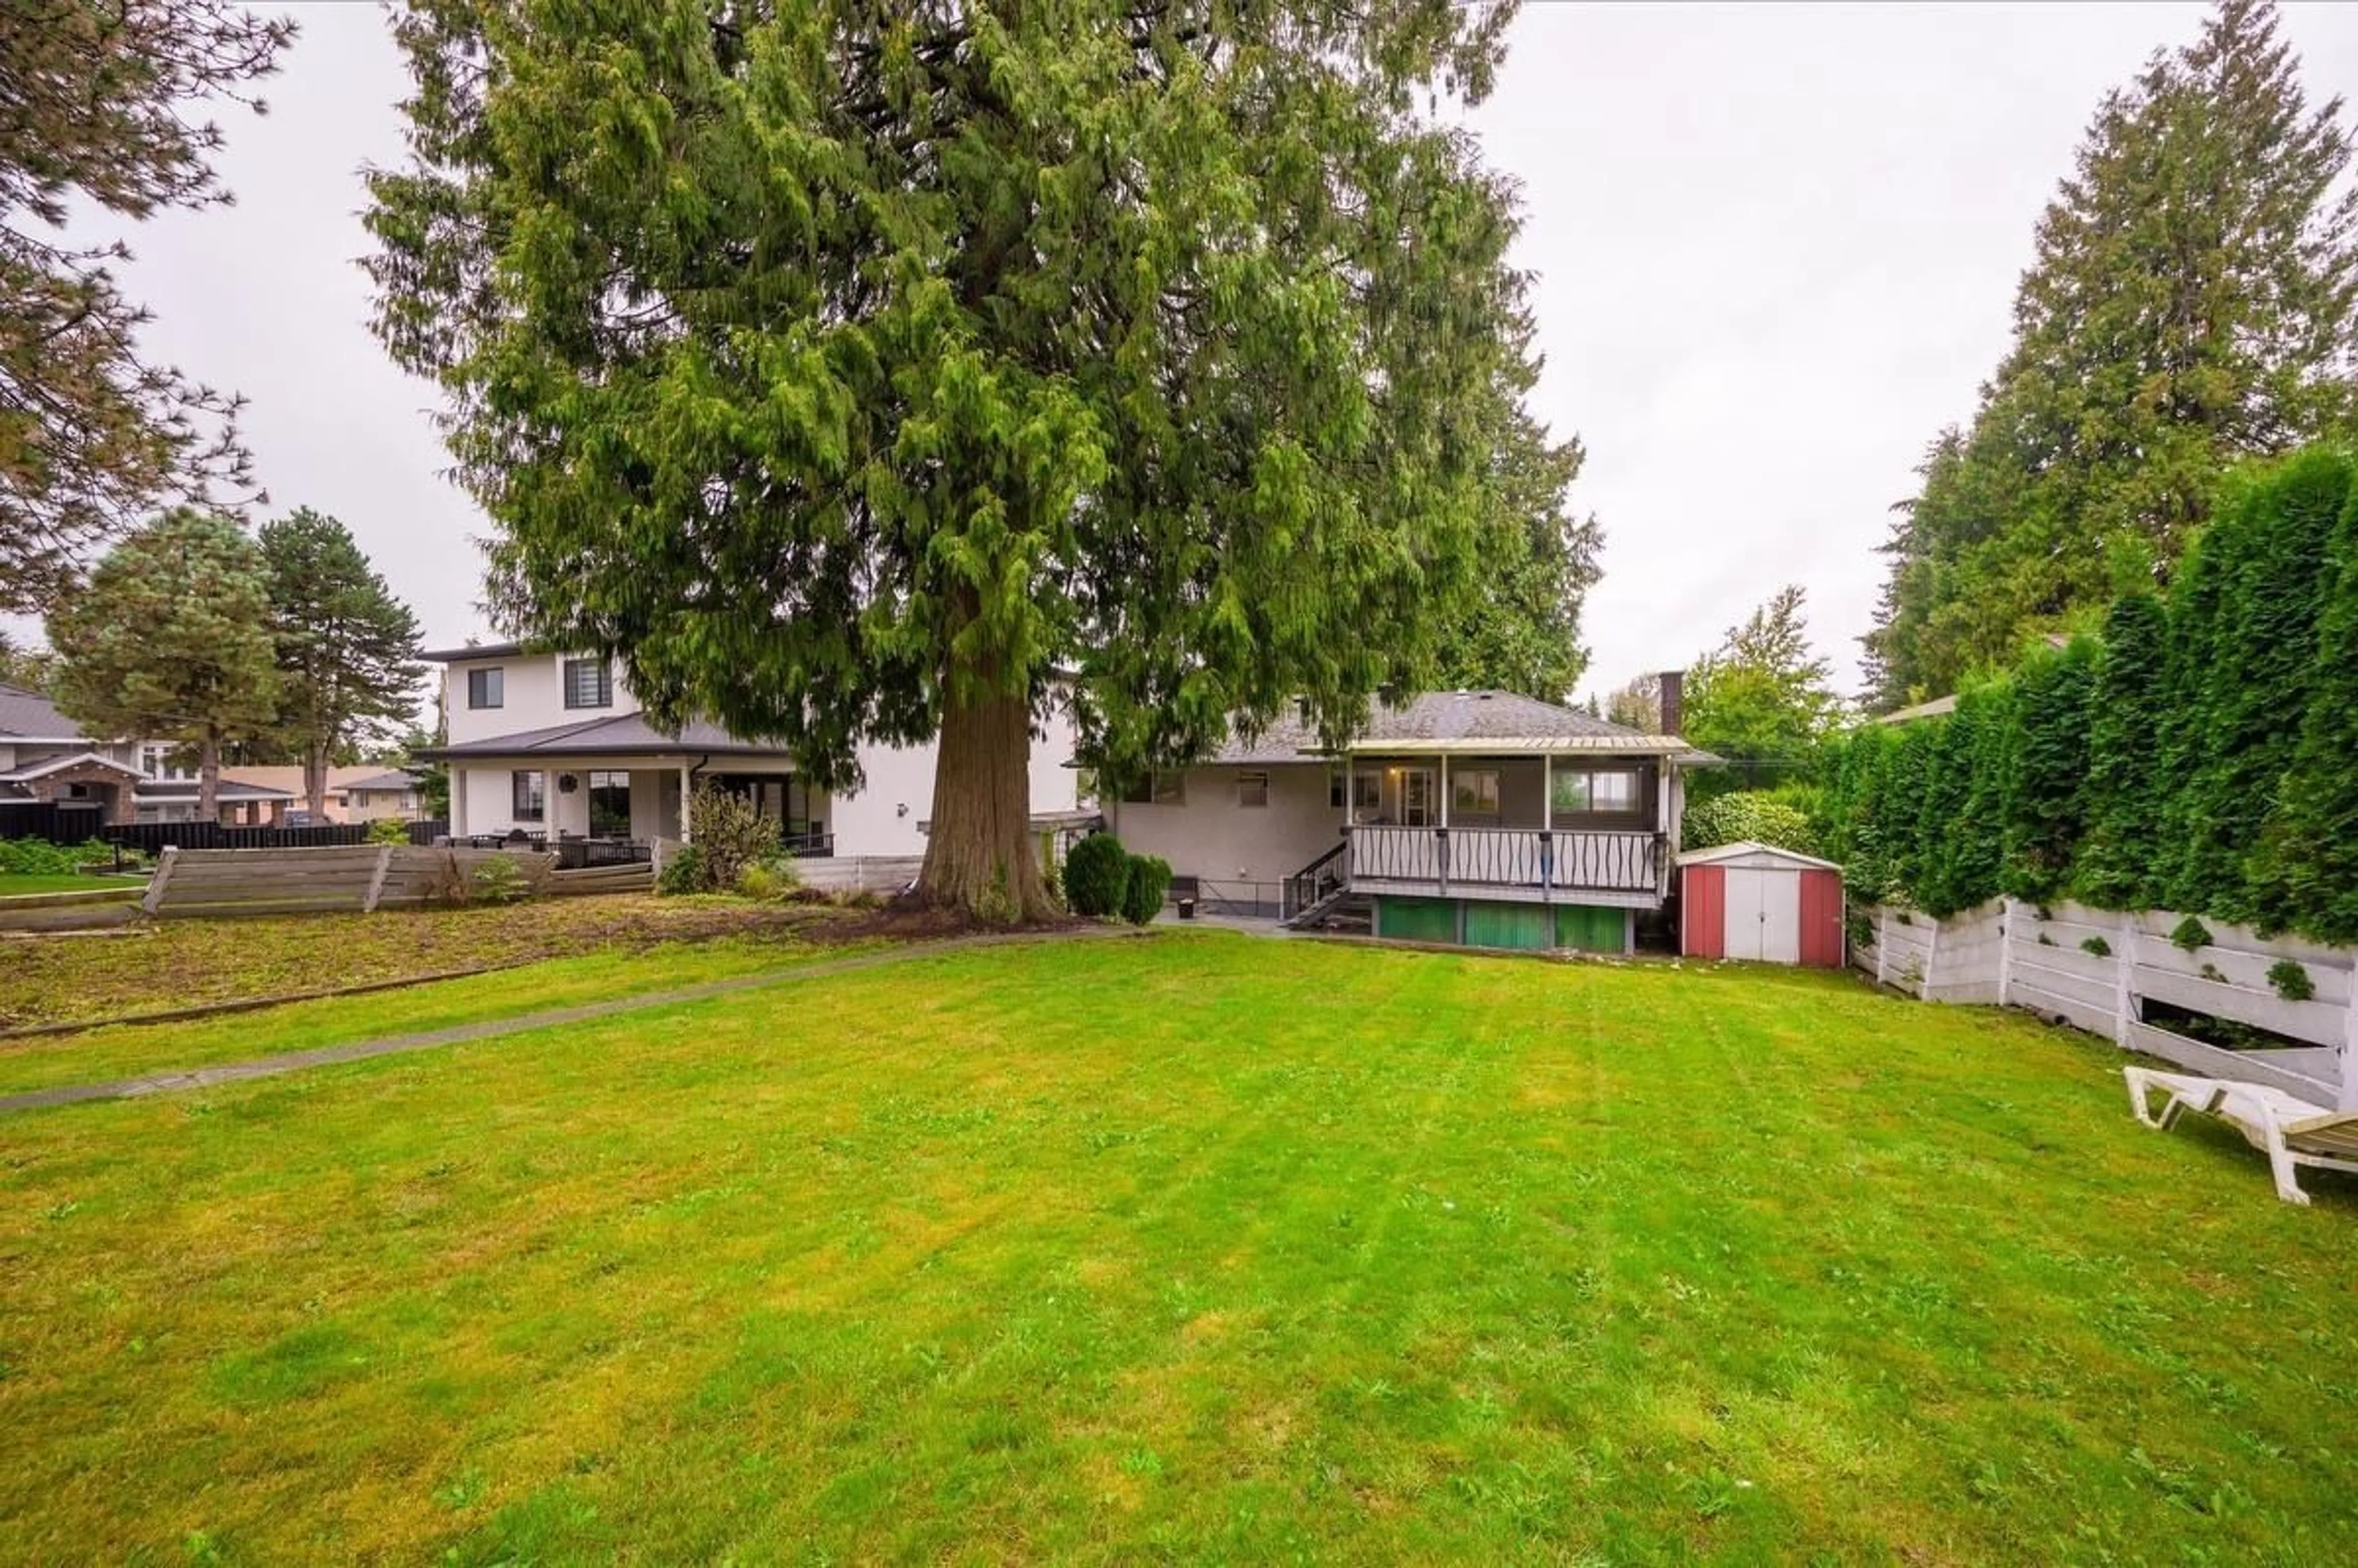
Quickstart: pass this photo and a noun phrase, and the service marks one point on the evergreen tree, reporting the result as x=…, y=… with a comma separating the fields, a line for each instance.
x=2120, y=859
x=347, y=649
x=850, y=370
x=1960, y=817
x=170, y=641
x=1897, y=818
x=98, y=118
x=2191, y=302
x=1762, y=699
x=2246, y=668
x=2045, y=771
x=2305, y=875
x=1519, y=631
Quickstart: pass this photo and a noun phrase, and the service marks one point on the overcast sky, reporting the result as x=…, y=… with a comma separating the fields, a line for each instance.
x=1775, y=248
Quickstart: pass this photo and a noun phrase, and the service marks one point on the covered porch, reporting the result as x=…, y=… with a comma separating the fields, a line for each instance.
x=1595, y=827
x=594, y=810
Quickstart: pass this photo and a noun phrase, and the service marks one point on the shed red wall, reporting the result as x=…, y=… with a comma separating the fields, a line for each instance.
x=1822, y=918
x=1703, y=912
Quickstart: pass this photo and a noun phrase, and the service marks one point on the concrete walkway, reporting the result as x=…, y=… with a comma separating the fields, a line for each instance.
x=426, y=1040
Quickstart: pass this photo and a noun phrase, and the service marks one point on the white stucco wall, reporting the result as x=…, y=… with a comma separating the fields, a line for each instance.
x=1211, y=836
x=1055, y=782
x=896, y=792
x=533, y=698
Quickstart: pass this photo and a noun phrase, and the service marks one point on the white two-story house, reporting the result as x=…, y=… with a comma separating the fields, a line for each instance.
x=552, y=746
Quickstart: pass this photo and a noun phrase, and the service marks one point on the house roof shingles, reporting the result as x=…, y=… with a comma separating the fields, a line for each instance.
x=1457, y=721
x=615, y=734
x=26, y=715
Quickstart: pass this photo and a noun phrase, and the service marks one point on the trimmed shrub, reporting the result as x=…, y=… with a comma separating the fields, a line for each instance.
x=388, y=830
x=2190, y=934
x=1760, y=816
x=1141, y=896
x=1097, y=874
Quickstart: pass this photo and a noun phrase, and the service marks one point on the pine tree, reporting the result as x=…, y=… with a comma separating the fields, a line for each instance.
x=170, y=641
x=2245, y=667
x=2305, y=875
x=347, y=649
x=2191, y=302
x=100, y=117
x=857, y=373
x=2119, y=859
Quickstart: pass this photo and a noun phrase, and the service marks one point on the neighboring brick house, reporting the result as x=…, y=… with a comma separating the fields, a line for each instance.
x=46, y=759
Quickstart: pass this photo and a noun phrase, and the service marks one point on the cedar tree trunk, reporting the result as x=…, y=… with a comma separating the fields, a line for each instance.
x=978, y=855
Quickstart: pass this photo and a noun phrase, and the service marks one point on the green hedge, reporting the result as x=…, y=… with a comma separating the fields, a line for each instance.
x=1783, y=818
x=2202, y=755
x=1097, y=874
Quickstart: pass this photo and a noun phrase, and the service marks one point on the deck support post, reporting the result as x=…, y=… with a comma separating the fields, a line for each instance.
x=687, y=786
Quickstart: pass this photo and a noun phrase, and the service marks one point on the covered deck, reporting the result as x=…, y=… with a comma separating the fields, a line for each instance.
x=1590, y=826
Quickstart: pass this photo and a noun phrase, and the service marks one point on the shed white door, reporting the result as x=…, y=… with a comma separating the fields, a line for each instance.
x=1764, y=916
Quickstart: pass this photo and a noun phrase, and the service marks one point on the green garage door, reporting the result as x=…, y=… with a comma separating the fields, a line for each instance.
x=1524, y=925
x=1590, y=929
x=1417, y=919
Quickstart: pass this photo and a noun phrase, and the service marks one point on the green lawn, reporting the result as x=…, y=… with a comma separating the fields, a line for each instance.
x=13, y=886
x=173, y=964
x=1198, y=1248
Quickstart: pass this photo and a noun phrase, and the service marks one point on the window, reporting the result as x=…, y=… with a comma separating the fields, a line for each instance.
x=1474, y=791
x=1252, y=789
x=157, y=762
x=1367, y=789
x=1581, y=793
x=487, y=688
x=587, y=684
x=1157, y=788
x=609, y=806
x=525, y=792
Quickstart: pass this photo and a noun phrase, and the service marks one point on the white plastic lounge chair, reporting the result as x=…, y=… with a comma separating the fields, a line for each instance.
x=2290, y=1131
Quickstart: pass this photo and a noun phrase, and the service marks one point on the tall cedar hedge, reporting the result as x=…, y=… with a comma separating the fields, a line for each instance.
x=2117, y=863
x=2202, y=755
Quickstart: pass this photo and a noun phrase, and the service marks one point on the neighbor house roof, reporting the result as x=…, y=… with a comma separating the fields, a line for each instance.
x=625, y=734
x=1932, y=709
x=474, y=651
x=26, y=715
x=1498, y=722
x=394, y=781
x=227, y=789
x=58, y=764
x=288, y=777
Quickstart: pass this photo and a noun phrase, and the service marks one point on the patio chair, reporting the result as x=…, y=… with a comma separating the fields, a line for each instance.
x=2289, y=1129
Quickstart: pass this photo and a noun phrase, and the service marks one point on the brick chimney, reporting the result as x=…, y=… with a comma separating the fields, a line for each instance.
x=1674, y=705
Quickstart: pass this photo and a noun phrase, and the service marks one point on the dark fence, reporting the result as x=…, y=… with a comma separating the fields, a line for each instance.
x=71, y=826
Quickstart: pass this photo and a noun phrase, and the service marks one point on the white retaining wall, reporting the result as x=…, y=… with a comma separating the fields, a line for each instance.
x=2093, y=968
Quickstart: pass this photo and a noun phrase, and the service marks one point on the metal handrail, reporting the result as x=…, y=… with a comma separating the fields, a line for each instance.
x=1315, y=882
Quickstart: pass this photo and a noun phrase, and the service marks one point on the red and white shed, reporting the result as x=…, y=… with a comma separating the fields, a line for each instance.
x=1756, y=901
